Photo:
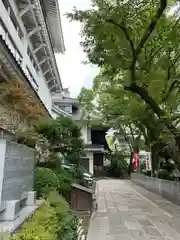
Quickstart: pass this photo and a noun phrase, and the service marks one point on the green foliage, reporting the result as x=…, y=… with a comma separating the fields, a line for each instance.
x=45, y=181
x=65, y=180
x=136, y=46
x=79, y=178
x=73, y=157
x=28, y=138
x=170, y=167
x=49, y=178
x=42, y=225
x=164, y=174
x=85, y=99
x=63, y=134
x=52, y=221
x=68, y=222
x=118, y=167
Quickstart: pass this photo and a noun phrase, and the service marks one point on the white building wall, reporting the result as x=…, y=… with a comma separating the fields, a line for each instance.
x=91, y=161
x=54, y=115
x=21, y=47
x=84, y=133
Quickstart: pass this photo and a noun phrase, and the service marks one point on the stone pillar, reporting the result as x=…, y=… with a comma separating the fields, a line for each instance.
x=91, y=162
x=30, y=199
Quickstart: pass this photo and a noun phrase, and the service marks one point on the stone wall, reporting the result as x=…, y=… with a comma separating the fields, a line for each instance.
x=4, y=134
x=168, y=189
x=10, y=120
x=16, y=174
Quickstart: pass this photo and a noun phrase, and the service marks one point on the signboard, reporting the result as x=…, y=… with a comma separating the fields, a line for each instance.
x=109, y=140
x=18, y=174
x=148, y=161
x=136, y=160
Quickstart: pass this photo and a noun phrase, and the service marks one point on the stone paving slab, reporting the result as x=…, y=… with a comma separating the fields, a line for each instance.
x=129, y=212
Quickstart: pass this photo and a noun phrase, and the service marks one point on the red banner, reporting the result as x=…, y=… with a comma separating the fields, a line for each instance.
x=136, y=160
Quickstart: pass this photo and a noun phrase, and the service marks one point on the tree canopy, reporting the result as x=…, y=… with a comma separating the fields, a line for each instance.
x=136, y=46
x=129, y=38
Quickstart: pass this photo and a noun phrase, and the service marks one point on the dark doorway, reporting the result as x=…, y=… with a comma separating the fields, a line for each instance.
x=98, y=164
x=84, y=162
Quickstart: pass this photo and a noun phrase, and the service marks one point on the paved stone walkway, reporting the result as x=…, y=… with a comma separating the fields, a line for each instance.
x=129, y=212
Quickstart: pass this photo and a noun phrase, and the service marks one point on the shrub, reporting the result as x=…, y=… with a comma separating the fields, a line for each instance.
x=52, y=221
x=46, y=181
x=62, y=133
x=68, y=222
x=79, y=178
x=42, y=225
x=164, y=174
x=148, y=173
x=118, y=166
x=65, y=180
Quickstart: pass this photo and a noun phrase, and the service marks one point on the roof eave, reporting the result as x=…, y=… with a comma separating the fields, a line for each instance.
x=60, y=111
x=58, y=24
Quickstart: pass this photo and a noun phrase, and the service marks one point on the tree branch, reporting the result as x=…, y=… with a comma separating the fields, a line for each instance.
x=148, y=31
x=174, y=83
x=152, y=25
x=131, y=130
x=126, y=137
x=124, y=29
x=143, y=93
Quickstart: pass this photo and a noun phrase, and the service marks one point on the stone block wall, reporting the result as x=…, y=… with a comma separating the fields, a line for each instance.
x=168, y=189
x=16, y=173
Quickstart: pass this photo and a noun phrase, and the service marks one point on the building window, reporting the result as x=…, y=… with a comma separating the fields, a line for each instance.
x=68, y=109
x=16, y=24
x=32, y=79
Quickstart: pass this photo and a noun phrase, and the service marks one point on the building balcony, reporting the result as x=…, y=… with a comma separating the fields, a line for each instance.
x=18, y=46
x=94, y=148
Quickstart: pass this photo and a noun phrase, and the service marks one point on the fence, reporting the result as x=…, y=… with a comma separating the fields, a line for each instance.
x=168, y=189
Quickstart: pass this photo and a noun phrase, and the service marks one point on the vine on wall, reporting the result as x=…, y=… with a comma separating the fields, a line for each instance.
x=21, y=106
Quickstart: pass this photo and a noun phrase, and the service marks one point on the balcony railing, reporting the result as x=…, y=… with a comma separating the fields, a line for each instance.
x=10, y=44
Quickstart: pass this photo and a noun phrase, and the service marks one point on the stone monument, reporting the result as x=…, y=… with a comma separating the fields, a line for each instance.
x=17, y=165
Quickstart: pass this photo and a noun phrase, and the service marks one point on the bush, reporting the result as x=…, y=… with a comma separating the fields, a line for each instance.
x=54, y=161
x=52, y=221
x=62, y=133
x=118, y=167
x=42, y=225
x=164, y=174
x=148, y=173
x=46, y=180
x=28, y=138
x=65, y=180
x=68, y=221
x=48, y=164
x=79, y=178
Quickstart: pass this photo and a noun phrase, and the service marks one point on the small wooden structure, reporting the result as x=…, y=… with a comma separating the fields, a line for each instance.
x=82, y=198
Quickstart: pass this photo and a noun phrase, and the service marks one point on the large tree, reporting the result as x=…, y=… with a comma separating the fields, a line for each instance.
x=85, y=99
x=137, y=44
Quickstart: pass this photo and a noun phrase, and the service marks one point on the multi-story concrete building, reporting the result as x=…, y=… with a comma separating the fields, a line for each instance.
x=94, y=138
x=30, y=35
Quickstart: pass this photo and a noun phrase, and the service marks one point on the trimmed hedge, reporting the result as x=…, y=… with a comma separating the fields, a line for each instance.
x=46, y=181
x=65, y=181
x=53, y=221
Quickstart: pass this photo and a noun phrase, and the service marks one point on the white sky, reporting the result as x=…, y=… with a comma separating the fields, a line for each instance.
x=74, y=74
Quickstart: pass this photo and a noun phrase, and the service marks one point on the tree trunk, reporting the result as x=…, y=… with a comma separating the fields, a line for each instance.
x=131, y=164
x=143, y=93
x=155, y=159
